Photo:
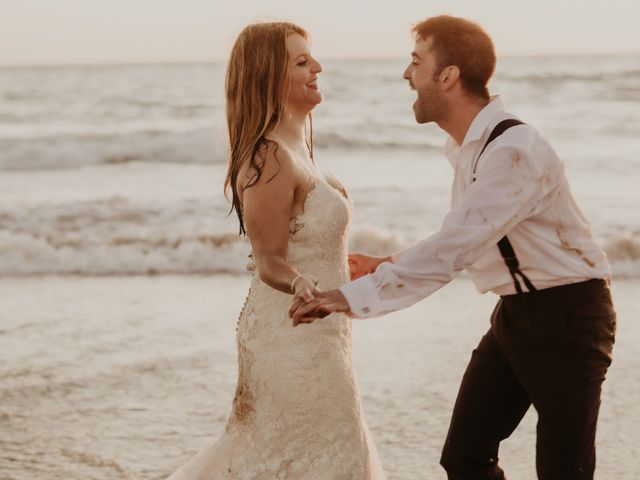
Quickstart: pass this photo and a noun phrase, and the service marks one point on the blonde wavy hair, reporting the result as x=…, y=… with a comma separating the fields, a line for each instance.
x=256, y=94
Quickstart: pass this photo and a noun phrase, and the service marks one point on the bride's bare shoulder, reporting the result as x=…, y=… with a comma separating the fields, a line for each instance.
x=271, y=162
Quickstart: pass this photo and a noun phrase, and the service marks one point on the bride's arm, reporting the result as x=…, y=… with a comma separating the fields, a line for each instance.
x=267, y=209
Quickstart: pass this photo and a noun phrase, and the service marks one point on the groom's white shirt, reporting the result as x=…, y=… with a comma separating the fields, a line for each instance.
x=520, y=191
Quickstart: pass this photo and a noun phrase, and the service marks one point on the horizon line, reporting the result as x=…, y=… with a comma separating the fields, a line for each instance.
x=131, y=63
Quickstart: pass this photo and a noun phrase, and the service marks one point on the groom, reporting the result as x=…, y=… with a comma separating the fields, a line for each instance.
x=515, y=227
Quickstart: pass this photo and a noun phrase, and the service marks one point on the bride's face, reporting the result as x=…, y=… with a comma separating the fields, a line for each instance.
x=304, y=93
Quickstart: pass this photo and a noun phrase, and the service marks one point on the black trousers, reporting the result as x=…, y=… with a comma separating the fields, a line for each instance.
x=551, y=349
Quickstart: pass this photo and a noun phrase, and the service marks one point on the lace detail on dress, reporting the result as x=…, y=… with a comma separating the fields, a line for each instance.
x=296, y=412
x=295, y=226
x=251, y=265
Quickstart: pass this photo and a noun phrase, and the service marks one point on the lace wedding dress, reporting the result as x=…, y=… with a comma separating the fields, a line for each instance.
x=296, y=414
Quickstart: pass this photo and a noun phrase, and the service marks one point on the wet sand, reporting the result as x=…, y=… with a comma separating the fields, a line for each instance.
x=127, y=377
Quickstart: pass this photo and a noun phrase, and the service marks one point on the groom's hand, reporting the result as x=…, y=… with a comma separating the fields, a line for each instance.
x=360, y=265
x=322, y=305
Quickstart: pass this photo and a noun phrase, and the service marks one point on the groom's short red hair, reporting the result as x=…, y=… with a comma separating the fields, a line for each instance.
x=462, y=43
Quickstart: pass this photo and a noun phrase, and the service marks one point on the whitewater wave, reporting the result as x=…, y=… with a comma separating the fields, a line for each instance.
x=78, y=150
x=98, y=461
x=22, y=254
x=199, y=146
x=154, y=253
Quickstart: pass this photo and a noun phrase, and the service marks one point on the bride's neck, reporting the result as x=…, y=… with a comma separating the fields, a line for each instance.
x=291, y=130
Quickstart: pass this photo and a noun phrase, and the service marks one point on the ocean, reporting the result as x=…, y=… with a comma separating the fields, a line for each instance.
x=122, y=274
x=119, y=169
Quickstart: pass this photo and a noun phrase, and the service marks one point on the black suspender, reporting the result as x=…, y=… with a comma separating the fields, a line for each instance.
x=499, y=129
x=506, y=249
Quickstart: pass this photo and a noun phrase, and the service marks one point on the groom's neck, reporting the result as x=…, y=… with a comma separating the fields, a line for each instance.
x=460, y=116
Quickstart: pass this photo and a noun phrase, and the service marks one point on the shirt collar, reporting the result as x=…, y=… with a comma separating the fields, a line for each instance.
x=478, y=127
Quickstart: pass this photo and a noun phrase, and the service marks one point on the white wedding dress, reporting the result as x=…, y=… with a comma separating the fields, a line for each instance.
x=297, y=413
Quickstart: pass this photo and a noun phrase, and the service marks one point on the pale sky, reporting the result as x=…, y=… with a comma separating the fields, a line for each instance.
x=37, y=32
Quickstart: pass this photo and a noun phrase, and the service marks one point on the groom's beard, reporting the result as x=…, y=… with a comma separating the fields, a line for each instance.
x=430, y=106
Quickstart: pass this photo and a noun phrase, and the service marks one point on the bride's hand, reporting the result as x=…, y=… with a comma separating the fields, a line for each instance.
x=304, y=288
x=304, y=291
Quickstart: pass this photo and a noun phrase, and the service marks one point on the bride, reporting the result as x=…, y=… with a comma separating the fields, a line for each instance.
x=297, y=413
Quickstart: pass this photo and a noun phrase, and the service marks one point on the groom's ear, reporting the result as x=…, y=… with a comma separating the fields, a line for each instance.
x=448, y=77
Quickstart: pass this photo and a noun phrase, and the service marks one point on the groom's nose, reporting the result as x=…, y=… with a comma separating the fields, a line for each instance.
x=407, y=74
x=410, y=82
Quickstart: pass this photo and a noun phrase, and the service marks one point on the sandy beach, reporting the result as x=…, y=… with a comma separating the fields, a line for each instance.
x=127, y=377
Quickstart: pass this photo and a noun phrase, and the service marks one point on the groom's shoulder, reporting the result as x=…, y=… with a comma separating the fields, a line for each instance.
x=525, y=142
x=523, y=136
x=530, y=144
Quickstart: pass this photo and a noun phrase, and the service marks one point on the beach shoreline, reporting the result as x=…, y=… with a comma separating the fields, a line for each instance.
x=128, y=377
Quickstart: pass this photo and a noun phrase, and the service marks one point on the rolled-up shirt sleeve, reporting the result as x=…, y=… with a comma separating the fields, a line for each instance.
x=508, y=189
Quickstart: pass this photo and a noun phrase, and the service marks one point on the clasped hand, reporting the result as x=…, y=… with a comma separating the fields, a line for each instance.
x=310, y=304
